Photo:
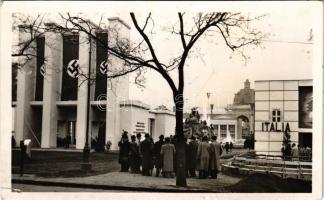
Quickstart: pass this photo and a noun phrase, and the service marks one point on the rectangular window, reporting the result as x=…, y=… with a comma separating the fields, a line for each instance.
x=276, y=115
x=223, y=131
x=231, y=128
x=40, y=42
x=215, y=126
x=69, y=83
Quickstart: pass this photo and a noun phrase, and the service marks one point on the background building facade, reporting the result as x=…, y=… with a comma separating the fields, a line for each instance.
x=51, y=99
x=282, y=105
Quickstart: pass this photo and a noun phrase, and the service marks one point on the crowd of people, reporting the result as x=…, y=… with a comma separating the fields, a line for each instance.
x=297, y=152
x=137, y=156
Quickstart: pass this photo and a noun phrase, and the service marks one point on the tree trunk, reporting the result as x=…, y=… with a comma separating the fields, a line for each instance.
x=181, y=173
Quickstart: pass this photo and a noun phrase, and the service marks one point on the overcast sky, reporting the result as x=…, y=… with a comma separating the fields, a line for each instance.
x=287, y=53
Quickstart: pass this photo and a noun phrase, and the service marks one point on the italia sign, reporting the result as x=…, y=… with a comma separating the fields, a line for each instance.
x=275, y=127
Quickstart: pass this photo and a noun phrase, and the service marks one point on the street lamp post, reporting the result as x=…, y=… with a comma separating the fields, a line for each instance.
x=208, y=96
x=86, y=165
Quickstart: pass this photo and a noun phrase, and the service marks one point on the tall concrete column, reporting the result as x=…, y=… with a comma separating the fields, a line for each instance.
x=53, y=66
x=118, y=88
x=235, y=129
x=228, y=134
x=81, y=122
x=25, y=92
x=218, y=131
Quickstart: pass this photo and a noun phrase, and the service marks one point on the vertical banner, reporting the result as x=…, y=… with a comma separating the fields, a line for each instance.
x=70, y=67
x=40, y=69
x=101, y=67
x=305, y=107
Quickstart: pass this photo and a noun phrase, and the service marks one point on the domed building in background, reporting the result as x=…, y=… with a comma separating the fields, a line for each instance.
x=235, y=122
x=245, y=96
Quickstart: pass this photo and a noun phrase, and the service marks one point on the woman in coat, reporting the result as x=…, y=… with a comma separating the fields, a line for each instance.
x=203, y=158
x=214, y=157
x=167, y=151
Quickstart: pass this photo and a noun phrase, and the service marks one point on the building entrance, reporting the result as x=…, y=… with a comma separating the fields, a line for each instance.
x=305, y=139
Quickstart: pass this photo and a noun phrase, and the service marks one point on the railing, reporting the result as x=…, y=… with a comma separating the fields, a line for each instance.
x=285, y=166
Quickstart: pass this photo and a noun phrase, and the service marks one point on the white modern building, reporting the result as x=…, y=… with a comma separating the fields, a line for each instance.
x=51, y=100
x=282, y=105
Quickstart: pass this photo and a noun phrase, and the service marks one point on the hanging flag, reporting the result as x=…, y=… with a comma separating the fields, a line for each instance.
x=103, y=67
x=42, y=70
x=73, y=68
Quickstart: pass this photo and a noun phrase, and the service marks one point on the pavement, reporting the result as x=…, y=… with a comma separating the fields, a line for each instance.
x=124, y=181
x=130, y=182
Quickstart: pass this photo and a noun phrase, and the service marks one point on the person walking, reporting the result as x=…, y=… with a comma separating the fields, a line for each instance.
x=67, y=141
x=191, y=156
x=231, y=146
x=146, y=151
x=227, y=146
x=174, y=142
x=124, y=149
x=167, y=151
x=152, y=161
x=134, y=155
x=157, y=154
x=294, y=152
x=138, y=141
x=203, y=158
x=214, y=159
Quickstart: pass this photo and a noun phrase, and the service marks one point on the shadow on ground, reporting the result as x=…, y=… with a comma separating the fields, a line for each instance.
x=267, y=183
x=65, y=164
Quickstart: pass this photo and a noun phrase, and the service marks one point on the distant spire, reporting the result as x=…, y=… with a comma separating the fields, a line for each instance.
x=247, y=84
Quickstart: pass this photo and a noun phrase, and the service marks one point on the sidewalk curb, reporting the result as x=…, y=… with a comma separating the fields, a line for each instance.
x=110, y=187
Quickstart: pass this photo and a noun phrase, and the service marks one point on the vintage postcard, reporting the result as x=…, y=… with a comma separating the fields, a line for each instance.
x=157, y=99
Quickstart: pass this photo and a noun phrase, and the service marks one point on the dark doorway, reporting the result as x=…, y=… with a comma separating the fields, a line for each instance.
x=100, y=146
x=305, y=139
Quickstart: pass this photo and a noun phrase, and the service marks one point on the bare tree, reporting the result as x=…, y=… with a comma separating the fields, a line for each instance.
x=234, y=29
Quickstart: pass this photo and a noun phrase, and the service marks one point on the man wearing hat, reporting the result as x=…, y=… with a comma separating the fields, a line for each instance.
x=147, y=153
x=158, y=157
x=124, y=148
x=191, y=156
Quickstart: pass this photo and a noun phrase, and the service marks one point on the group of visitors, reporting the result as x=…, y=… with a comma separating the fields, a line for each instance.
x=228, y=147
x=297, y=152
x=301, y=153
x=139, y=156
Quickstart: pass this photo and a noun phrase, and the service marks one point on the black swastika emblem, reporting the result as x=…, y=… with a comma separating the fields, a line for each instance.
x=73, y=68
x=42, y=70
x=103, y=67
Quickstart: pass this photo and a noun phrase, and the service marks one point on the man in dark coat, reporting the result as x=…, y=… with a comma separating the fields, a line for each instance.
x=227, y=146
x=146, y=152
x=138, y=141
x=124, y=148
x=158, y=156
x=191, y=156
x=134, y=155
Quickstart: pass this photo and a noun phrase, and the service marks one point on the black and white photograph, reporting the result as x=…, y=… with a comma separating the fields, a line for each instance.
x=180, y=99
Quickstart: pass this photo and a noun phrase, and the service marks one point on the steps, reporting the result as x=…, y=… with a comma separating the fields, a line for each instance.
x=241, y=166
